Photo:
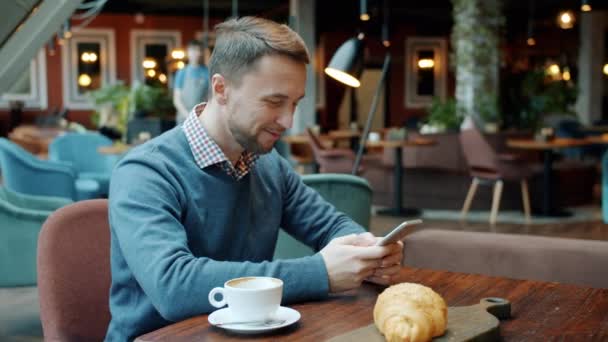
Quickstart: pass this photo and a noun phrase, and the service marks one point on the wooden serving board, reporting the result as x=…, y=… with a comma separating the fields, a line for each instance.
x=477, y=323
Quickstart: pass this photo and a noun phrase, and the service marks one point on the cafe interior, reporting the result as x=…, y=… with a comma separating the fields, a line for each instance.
x=486, y=119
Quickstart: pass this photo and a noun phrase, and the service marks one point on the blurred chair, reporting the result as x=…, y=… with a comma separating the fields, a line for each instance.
x=74, y=272
x=21, y=217
x=485, y=165
x=572, y=128
x=604, y=167
x=331, y=160
x=151, y=126
x=351, y=195
x=81, y=151
x=24, y=173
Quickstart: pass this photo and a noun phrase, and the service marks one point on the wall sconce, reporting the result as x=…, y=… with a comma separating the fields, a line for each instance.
x=88, y=57
x=149, y=63
x=565, y=20
x=426, y=63
x=178, y=54
x=585, y=7
x=605, y=70
x=84, y=80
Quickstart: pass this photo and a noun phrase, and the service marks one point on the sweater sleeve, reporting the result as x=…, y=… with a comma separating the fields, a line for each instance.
x=310, y=218
x=150, y=245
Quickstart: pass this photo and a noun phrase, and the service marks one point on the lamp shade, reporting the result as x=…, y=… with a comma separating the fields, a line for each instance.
x=347, y=63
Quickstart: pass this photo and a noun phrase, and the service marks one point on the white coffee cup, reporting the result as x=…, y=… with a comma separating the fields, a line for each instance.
x=249, y=298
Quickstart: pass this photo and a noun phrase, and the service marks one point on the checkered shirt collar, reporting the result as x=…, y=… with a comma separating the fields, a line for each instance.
x=206, y=152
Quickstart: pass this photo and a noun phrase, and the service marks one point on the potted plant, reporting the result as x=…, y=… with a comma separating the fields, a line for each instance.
x=533, y=96
x=442, y=116
x=150, y=101
x=112, y=107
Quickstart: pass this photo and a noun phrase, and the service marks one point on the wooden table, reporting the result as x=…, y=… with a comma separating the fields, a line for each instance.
x=541, y=311
x=397, y=146
x=547, y=147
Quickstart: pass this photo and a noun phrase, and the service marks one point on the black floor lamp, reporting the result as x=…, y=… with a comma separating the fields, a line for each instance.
x=346, y=66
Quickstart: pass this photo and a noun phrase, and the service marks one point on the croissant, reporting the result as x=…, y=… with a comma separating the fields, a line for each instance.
x=410, y=312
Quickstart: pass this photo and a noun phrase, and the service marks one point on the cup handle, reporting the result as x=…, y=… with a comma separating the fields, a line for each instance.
x=217, y=304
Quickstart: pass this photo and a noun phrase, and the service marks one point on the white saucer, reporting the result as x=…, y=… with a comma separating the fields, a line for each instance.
x=289, y=315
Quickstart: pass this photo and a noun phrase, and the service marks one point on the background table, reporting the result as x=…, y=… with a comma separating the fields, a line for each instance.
x=397, y=146
x=541, y=311
x=548, y=207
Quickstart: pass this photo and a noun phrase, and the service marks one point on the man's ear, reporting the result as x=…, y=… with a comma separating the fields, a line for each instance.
x=218, y=86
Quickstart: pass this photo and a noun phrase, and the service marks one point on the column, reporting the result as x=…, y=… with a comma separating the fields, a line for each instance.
x=475, y=37
x=590, y=62
x=302, y=15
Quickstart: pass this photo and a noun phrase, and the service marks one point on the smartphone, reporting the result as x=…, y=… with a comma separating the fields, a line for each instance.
x=397, y=233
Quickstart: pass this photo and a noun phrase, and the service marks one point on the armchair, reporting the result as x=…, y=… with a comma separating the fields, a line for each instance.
x=337, y=160
x=80, y=151
x=21, y=217
x=351, y=195
x=24, y=173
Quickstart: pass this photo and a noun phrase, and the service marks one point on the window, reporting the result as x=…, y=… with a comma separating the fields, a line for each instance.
x=88, y=64
x=151, y=51
x=31, y=87
x=425, y=71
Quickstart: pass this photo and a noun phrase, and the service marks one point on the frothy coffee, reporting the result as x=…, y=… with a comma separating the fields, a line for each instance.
x=254, y=283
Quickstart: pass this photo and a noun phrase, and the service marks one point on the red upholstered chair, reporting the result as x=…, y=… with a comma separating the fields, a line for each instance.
x=485, y=165
x=74, y=272
x=330, y=160
x=338, y=160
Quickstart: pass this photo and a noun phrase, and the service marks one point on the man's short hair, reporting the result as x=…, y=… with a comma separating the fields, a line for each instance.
x=195, y=43
x=241, y=42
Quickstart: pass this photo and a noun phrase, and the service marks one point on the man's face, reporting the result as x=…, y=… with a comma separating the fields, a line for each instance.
x=262, y=106
x=194, y=54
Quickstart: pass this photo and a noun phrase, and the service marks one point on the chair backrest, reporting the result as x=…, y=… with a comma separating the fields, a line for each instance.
x=74, y=272
x=350, y=194
x=477, y=151
x=22, y=172
x=80, y=150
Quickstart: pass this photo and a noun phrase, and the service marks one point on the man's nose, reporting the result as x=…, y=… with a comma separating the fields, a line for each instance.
x=286, y=120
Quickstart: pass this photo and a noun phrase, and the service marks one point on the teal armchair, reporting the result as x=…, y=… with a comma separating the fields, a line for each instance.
x=81, y=151
x=21, y=217
x=24, y=173
x=351, y=195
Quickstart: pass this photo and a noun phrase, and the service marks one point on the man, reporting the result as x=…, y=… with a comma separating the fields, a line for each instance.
x=191, y=82
x=202, y=203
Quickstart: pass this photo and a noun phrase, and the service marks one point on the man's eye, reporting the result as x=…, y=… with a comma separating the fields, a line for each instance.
x=274, y=102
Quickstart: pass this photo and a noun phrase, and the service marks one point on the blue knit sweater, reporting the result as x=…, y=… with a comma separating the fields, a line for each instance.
x=178, y=231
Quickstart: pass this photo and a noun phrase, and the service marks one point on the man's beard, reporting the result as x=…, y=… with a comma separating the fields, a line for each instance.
x=248, y=142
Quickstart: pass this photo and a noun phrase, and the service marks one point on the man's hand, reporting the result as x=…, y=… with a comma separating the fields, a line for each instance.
x=353, y=258
x=391, y=264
